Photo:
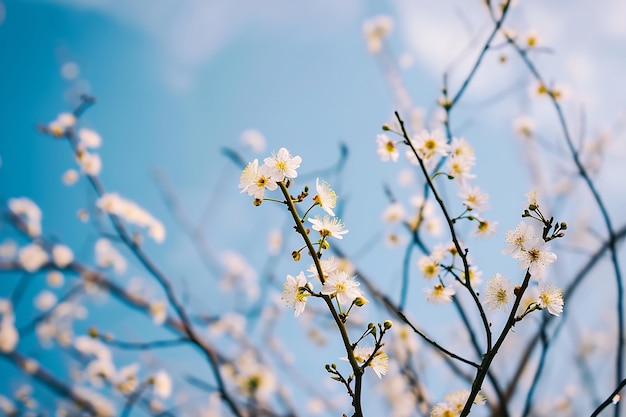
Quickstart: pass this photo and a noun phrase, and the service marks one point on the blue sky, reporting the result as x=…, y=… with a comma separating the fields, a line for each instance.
x=176, y=81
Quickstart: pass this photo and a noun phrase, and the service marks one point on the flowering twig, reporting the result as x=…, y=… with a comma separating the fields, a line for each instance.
x=462, y=253
x=599, y=202
x=358, y=372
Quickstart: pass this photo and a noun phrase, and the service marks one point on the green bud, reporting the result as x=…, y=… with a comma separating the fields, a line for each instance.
x=296, y=255
x=360, y=301
x=386, y=127
x=387, y=324
x=325, y=245
x=93, y=332
x=563, y=226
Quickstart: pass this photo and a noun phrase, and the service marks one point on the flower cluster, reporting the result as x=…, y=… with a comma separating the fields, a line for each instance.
x=429, y=147
x=527, y=243
x=276, y=168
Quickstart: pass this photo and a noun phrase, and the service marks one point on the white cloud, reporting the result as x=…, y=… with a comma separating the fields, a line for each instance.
x=192, y=31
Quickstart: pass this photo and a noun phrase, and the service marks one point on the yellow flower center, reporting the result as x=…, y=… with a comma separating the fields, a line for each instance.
x=534, y=255
x=430, y=144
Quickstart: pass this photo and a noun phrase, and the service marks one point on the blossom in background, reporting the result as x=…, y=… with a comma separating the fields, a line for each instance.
x=63, y=122
x=102, y=406
x=126, y=380
x=524, y=126
x=254, y=139
x=440, y=294
x=45, y=300
x=475, y=275
x=498, y=293
x=379, y=363
x=89, y=138
x=29, y=212
x=293, y=296
x=328, y=227
x=274, y=242
x=32, y=257
x=55, y=279
x=107, y=256
x=428, y=144
x=162, y=384
x=282, y=165
x=443, y=409
x=460, y=148
x=239, y=275
x=374, y=30
x=62, y=255
x=387, y=149
x=90, y=163
x=454, y=402
x=485, y=229
x=251, y=378
x=551, y=298
x=113, y=203
x=532, y=38
x=429, y=266
x=92, y=347
x=535, y=257
x=70, y=177
x=459, y=167
x=457, y=400
x=254, y=180
x=343, y=286
x=9, y=336
x=326, y=197
x=7, y=406
x=474, y=198
x=158, y=311
x=8, y=249
x=394, y=213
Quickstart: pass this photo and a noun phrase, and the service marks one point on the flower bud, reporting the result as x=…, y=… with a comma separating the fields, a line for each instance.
x=325, y=245
x=93, y=332
x=386, y=127
x=360, y=301
x=516, y=290
x=296, y=255
x=257, y=202
x=387, y=324
x=563, y=226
